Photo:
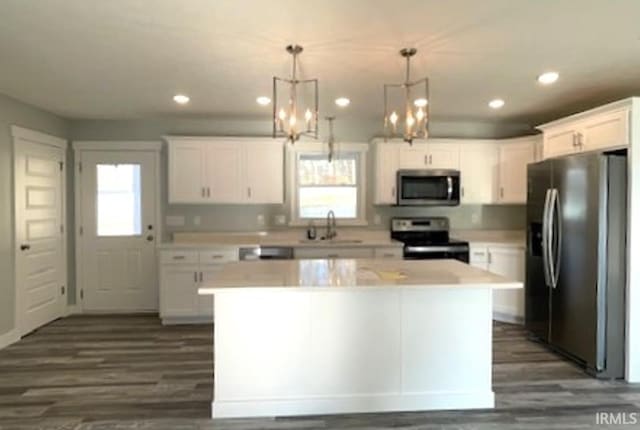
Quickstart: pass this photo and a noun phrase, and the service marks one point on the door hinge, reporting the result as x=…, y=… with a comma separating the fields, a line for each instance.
x=62, y=290
x=61, y=166
x=81, y=294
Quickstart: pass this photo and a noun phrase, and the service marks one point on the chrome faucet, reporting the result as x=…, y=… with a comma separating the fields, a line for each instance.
x=331, y=225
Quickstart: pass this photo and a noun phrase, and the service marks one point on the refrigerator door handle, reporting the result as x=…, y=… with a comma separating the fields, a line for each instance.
x=555, y=227
x=545, y=239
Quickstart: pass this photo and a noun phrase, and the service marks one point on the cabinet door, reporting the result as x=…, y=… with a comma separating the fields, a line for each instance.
x=606, y=130
x=414, y=157
x=387, y=163
x=179, y=286
x=508, y=262
x=205, y=302
x=264, y=172
x=479, y=173
x=224, y=172
x=560, y=141
x=186, y=172
x=513, y=160
x=443, y=156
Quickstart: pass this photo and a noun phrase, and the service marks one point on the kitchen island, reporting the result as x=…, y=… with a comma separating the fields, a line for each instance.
x=302, y=337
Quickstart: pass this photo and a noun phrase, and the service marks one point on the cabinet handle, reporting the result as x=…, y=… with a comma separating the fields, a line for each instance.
x=501, y=192
x=249, y=192
x=575, y=139
x=204, y=192
x=430, y=160
x=195, y=277
x=489, y=257
x=461, y=191
x=201, y=277
x=580, y=142
x=208, y=192
x=426, y=160
x=388, y=255
x=393, y=192
x=332, y=255
x=179, y=257
x=217, y=257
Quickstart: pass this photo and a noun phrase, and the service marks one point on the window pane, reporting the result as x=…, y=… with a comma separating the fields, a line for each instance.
x=314, y=169
x=315, y=202
x=118, y=200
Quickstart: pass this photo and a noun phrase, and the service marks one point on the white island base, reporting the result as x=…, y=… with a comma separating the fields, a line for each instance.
x=282, y=351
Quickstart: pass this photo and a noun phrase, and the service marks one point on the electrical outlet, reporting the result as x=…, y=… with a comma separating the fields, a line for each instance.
x=260, y=220
x=280, y=220
x=197, y=220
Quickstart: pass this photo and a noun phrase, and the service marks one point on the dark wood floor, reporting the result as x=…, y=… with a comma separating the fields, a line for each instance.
x=129, y=372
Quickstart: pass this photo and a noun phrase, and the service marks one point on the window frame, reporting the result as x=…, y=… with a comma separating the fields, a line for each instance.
x=313, y=148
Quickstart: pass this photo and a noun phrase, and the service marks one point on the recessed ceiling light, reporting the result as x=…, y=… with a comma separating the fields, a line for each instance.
x=548, y=78
x=420, y=102
x=343, y=101
x=263, y=100
x=181, y=99
x=496, y=103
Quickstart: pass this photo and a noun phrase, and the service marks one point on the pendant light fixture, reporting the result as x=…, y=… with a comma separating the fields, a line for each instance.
x=295, y=103
x=331, y=141
x=406, y=105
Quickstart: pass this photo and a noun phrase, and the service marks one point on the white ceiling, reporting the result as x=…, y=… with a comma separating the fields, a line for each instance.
x=127, y=58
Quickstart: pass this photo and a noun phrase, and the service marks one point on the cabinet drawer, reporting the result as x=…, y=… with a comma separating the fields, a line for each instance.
x=219, y=255
x=179, y=257
x=478, y=254
x=321, y=252
x=394, y=253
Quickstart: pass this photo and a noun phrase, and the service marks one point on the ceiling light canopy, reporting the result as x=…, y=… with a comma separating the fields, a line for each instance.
x=343, y=101
x=400, y=118
x=548, y=78
x=181, y=99
x=496, y=103
x=295, y=103
x=263, y=100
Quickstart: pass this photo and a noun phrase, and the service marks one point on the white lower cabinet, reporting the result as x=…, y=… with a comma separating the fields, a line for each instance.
x=337, y=252
x=507, y=261
x=182, y=272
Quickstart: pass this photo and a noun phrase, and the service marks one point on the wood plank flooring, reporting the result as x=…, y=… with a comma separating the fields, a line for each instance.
x=129, y=372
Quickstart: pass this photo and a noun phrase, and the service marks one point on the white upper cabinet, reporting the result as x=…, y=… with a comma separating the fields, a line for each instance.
x=223, y=171
x=429, y=156
x=186, y=170
x=513, y=157
x=264, y=173
x=212, y=170
x=387, y=162
x=478, y=172
x=606, y=127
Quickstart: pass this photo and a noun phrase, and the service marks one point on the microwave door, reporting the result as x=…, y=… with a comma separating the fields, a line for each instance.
x=427, y=189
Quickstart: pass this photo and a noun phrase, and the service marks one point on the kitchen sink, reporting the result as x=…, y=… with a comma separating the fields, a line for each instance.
x=331, y=241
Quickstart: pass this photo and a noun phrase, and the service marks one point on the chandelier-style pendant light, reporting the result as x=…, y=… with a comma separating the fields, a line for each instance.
x=406, y=106
x=295, y=113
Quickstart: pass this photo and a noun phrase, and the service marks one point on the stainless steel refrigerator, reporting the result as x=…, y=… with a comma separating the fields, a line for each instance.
x=576, y=258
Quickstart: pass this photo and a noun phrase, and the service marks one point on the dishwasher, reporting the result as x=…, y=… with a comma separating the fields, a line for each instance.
x=266, y=253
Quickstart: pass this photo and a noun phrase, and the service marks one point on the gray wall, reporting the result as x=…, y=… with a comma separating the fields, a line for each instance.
x=238, y=218
x=13, y=112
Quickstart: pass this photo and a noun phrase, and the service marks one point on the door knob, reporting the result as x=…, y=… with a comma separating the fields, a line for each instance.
x=25, y=247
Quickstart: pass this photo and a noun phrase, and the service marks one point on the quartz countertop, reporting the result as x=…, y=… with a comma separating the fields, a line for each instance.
x=491, y=237
x=354, y=274
x=294, y=238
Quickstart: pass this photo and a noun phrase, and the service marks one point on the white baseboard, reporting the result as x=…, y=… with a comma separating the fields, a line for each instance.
x=352, y=404
x=186, y=320
x=72, y=310
x=8, y=338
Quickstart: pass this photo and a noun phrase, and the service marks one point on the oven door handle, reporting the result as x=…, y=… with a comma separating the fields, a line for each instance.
x=449, y=187
x=434, y=249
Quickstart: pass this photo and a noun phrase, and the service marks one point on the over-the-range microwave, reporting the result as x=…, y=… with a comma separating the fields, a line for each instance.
x=431, y=187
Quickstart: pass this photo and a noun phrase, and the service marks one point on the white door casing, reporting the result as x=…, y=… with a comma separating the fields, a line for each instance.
x=117, y=269
x=40, y=238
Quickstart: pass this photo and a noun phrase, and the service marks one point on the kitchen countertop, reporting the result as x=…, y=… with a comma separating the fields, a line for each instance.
x=291, y=238
x=491, y=237
x=354, y=274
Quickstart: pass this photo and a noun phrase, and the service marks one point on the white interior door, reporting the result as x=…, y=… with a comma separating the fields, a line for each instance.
x=118, y=200
x=40, y=240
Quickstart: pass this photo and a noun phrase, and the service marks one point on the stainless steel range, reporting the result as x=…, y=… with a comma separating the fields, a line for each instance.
x=427, y=238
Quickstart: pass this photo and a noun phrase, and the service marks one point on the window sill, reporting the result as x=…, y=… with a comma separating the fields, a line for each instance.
x=322, y=221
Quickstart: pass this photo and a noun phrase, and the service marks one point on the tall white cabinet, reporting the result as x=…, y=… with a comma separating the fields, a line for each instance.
x=225, y=170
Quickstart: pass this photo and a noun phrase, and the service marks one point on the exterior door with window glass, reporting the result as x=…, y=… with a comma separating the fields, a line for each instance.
x=118, y=198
